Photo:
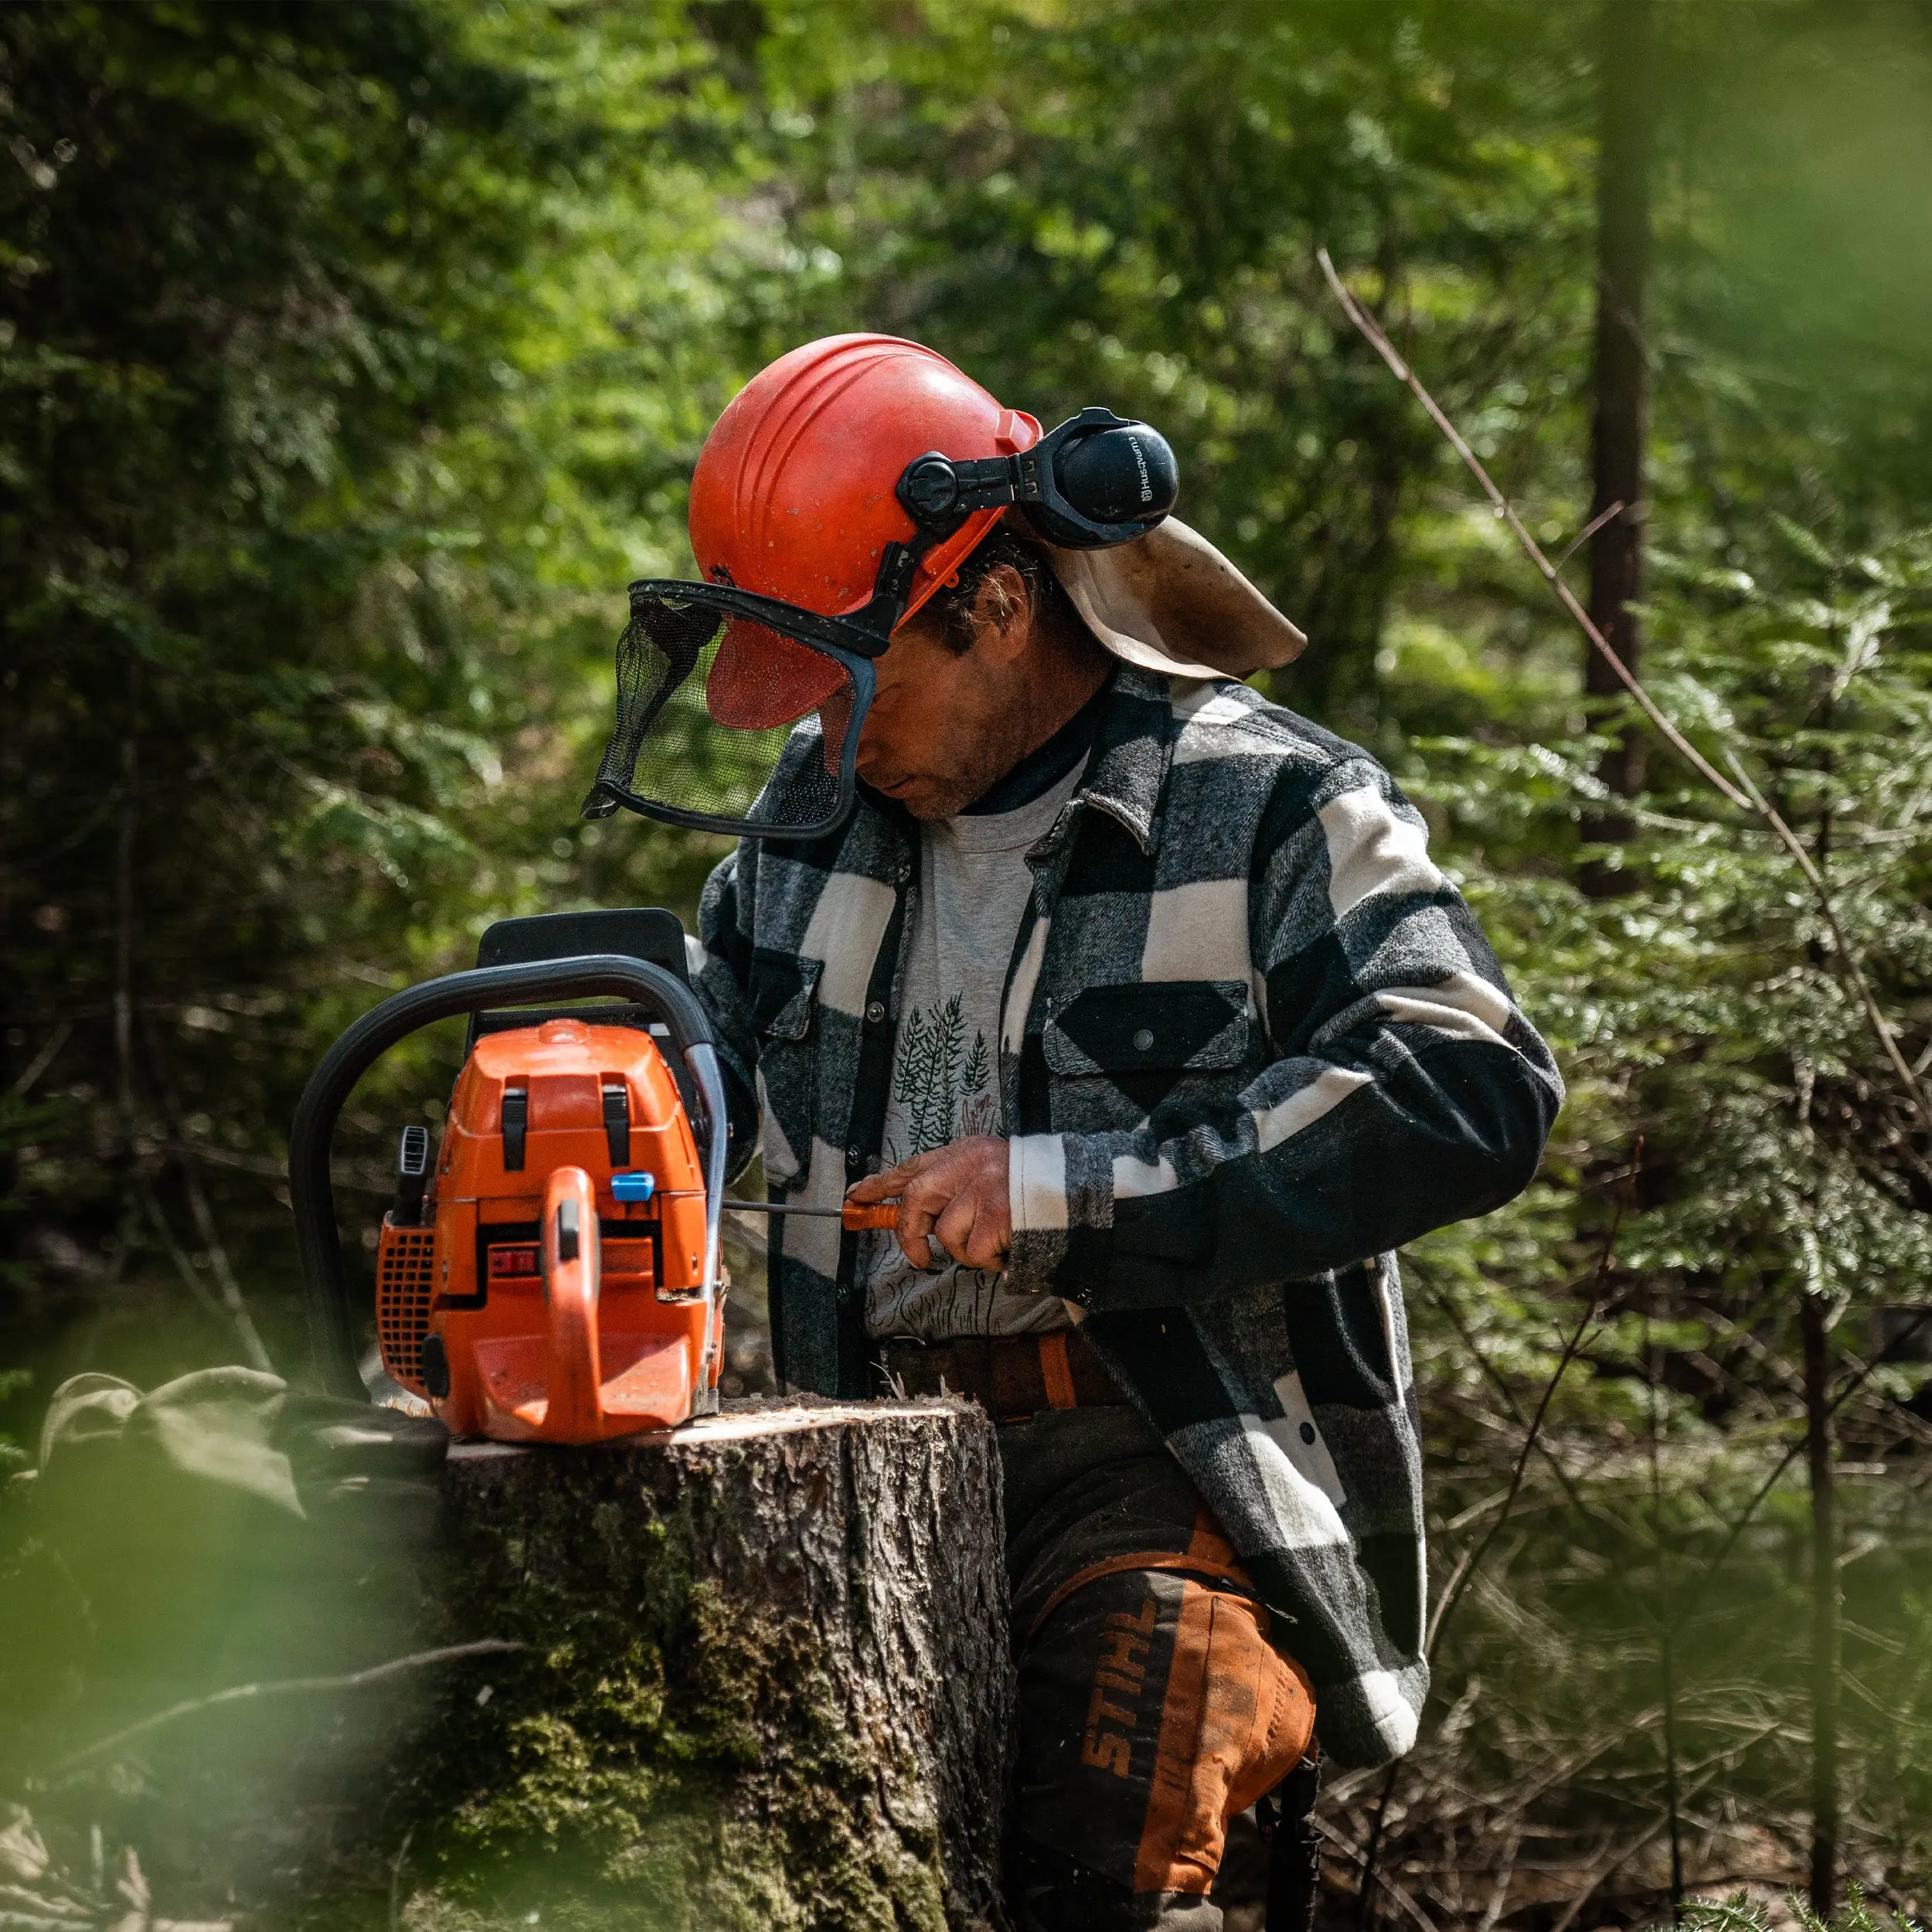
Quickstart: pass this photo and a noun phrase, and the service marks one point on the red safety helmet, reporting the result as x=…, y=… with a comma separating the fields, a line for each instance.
x=794, y=497
x=843, y=486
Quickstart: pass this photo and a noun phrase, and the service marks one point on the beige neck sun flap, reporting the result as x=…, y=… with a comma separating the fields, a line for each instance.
x=1171, y=602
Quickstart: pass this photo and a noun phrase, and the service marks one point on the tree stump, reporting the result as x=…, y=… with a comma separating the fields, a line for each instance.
x=766, y=1680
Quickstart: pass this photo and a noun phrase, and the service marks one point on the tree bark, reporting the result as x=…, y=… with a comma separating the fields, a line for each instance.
x=768, y=1681
x=1622, y=384
x=1814, y=1320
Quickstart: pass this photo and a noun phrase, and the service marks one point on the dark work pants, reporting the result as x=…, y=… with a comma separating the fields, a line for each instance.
x=1152, y=1706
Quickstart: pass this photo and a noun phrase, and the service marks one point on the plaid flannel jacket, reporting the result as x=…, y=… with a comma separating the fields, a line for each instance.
x=1253, y=1042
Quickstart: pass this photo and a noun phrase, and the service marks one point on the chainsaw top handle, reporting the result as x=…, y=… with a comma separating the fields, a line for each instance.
x=311, y=1192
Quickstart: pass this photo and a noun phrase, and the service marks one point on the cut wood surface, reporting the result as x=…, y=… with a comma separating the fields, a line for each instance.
x=767, y=1680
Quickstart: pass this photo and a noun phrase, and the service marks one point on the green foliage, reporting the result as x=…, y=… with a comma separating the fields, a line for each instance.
x=1706, y=1015
x=1125, y=201
x=1740, y=1914
x=307, y=633
x=352, y=357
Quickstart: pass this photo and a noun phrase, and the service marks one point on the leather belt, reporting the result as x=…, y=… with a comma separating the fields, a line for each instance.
x=1011, y=1377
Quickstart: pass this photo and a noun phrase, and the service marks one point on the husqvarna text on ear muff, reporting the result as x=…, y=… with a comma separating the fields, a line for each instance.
x=841, y=489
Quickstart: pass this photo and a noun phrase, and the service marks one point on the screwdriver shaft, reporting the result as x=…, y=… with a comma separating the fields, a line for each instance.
x=884, y=1214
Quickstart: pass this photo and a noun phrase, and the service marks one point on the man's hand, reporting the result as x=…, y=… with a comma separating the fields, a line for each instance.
x=956, y=1194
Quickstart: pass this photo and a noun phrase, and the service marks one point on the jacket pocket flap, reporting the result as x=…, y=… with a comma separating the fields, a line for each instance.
x=785, y=990
x=1169, y=1025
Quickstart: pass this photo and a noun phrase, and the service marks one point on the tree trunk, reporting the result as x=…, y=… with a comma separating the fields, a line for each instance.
x=1815, y=1318
x=1622, y=384
x=768, y=1681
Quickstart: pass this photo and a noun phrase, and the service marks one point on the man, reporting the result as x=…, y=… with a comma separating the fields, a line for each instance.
x=1142, y=996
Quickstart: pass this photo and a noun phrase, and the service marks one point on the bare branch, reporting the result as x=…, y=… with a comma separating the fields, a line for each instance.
x=1747, y=798
x=31, y=1072
x=234, y=1305
x=1693, y=1598
x=1466, y=1572
x=1507, y=1396
x=184, y=1262
x=1606, y=1260
x=1531, y=549
x=1399, y=1892
x=287, y=1686
x=1589, y=530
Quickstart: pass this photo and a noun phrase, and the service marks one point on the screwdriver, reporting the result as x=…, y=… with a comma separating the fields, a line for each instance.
x=639, y=1188
x=882, y=1214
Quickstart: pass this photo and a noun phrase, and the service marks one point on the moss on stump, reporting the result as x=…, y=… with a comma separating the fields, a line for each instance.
x=766, y=1685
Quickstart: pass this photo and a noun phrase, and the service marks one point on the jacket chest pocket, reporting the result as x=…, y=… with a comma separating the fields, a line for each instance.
x=1121, y=1054
x=784, y=1010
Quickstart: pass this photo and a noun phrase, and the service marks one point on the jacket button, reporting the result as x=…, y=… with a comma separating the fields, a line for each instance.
x=1143, y=1042
x=853, y=1156
x=876, y=1012
x=1307, y=1433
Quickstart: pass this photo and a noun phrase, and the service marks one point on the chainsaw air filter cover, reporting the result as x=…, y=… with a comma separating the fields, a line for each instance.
x=541, y=1121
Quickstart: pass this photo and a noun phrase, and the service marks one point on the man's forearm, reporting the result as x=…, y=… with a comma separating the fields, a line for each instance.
x=1329, y=1161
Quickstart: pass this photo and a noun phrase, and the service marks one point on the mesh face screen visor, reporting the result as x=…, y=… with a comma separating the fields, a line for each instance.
x=736, y=713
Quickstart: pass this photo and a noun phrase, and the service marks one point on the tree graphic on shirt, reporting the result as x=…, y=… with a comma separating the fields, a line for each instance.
x=978, y=1098
x=943, y=1083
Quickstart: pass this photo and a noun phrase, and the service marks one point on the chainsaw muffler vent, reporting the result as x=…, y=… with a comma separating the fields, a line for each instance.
x=405, y=1279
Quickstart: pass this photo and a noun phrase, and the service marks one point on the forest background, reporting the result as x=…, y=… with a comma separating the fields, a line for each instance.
x=353, y=358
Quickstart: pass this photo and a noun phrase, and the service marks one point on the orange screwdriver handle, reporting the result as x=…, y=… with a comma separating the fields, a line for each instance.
x=883, y=1214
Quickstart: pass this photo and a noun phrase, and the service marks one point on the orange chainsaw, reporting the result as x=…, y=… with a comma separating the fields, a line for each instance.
x=554, y=1276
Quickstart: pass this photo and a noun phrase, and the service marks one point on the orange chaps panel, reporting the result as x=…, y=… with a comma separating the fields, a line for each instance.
x=1237, y=1718
x=1152, y=1709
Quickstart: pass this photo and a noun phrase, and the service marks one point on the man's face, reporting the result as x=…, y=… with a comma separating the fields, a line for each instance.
x=945, y=724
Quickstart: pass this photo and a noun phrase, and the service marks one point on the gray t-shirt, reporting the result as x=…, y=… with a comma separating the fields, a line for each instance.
x=974, y=884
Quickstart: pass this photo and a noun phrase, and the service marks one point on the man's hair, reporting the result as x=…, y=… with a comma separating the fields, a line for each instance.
x=952, y=607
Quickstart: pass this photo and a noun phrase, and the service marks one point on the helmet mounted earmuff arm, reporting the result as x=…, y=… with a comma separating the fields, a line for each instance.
x=1096, y=480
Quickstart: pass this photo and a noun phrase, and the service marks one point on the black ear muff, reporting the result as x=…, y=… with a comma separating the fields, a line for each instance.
x=1127, y=475
x=1108, y=481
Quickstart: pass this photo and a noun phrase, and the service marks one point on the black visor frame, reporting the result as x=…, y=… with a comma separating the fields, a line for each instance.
x=844, y=639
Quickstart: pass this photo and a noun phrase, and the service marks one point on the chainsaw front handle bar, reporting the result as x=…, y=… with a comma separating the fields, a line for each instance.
x=590, y=975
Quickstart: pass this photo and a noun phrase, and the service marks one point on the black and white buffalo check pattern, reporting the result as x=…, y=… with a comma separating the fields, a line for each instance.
x=1252, y=1042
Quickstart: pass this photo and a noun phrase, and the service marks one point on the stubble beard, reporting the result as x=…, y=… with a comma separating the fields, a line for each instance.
x=996, y=744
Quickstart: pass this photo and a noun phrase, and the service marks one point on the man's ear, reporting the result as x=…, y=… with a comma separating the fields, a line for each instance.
x=1002, y=613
